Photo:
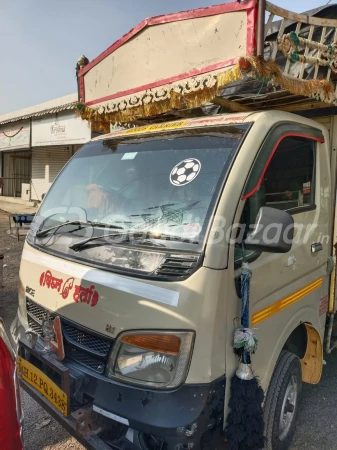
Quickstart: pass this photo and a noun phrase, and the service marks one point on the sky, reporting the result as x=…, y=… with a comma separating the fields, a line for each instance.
x=41, y=40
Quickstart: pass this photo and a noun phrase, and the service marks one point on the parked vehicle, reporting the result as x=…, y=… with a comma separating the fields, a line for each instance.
x=11, y=416
x=163, y=245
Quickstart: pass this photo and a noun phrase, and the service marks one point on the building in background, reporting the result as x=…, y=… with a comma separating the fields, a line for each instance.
x=35, y=144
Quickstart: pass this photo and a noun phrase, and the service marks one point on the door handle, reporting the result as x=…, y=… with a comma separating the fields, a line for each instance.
x=316, y=247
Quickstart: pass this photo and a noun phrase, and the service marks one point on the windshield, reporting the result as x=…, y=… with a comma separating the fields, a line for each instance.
x=160, y=184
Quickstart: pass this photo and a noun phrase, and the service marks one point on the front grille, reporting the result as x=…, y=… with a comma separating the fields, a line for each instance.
x=35, y=326
x=37, y=313
x=178, y=266
x=86, y=341
x=85, y=358
x=80, y=345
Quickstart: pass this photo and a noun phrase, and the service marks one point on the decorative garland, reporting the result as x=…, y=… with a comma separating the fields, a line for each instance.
x=321, y=90
x=289, y=46
x=194, y=92
x=13, y=135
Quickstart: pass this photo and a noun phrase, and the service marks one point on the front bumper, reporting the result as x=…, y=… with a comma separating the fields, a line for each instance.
x=123, y=417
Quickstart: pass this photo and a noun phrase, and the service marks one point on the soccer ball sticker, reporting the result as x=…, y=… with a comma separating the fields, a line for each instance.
x=185, y=172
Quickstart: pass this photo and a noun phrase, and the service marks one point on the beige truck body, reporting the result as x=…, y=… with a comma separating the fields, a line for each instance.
x=186, y=67
x=286, y=289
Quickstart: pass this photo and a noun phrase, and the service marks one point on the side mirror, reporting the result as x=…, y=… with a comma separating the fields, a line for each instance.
x=43, y=196
x=273, y=231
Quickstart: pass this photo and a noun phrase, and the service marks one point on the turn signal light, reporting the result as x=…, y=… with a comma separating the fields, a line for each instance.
x=161, y=343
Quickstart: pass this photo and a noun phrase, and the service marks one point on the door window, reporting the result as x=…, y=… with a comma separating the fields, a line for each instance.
x=288, y=183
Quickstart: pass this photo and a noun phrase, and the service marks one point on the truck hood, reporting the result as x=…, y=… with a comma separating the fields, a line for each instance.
x=98, y=299
x=108, y=303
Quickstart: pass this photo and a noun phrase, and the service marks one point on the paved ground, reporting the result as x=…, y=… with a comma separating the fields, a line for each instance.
x=16, y=208
x=317, y=425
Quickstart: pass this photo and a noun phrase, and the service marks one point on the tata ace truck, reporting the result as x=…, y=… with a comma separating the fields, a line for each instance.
x=130, y=287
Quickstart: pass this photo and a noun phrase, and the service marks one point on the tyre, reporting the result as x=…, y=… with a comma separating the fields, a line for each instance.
x=282, y=402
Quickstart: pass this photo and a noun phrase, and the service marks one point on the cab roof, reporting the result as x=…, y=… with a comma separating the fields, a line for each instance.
x=198, y=122
x=207, y=121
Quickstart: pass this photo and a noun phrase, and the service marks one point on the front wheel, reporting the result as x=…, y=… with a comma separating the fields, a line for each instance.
x=282, y=402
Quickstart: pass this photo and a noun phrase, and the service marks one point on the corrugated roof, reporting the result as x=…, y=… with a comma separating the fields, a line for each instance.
x=64, y=103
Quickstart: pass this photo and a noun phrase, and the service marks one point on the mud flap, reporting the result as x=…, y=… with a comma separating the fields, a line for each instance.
x=312, y=361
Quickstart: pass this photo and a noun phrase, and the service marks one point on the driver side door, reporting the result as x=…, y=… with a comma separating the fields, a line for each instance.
x=291, y=173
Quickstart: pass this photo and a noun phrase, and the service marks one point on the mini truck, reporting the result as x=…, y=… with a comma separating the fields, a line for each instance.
x=131, y=289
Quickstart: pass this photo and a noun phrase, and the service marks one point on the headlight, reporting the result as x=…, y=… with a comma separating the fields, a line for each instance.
x=156, y=359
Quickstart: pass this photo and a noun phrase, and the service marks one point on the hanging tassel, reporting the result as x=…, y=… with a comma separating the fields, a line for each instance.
x=245, y=424
x=245, y=340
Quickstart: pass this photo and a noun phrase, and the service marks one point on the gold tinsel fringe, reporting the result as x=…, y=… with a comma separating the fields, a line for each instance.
x=196, y=99
x=319, y=89
x=229, y=76
x=257, y=68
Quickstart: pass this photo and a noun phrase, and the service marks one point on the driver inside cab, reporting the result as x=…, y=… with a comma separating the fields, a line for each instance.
x=107, y=200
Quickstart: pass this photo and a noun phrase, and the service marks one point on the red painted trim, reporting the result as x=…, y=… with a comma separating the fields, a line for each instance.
x=82, y=93
x=182, y=76
x=184, y=15
x=202, y=12
x=244, y=197
x=251, y=31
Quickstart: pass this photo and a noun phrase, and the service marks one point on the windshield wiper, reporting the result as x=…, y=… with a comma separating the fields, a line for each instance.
x=134, y=234
x=83, y=224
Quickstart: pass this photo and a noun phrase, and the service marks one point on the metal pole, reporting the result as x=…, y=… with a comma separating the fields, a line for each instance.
x=260, y=27
x=31, y=158
x=1, y=269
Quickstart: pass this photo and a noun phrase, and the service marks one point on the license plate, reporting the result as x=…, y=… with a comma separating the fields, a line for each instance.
x=36, y=378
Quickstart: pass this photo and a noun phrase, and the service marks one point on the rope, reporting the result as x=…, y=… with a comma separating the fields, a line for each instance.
x=295, y=39
x=264, y=81
x=245, y=341
x=289, y=46
x=246, y=275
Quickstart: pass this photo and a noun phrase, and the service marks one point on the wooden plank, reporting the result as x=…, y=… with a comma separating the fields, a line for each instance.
x=302, y=106
x=270, y=96
x=239, y=84
x=306, y=51
x=248, y=94
x=329, y=70
x=266, y=101
x=294, y=102
x=284, y=107
x=267, y=97
x=230, y=105
x=284, y=23
x=320, y=51
x=268, y=25
x=141, y=122
x=297, y=31
x=270, y=103
x=186, y=113
x=295, y=17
